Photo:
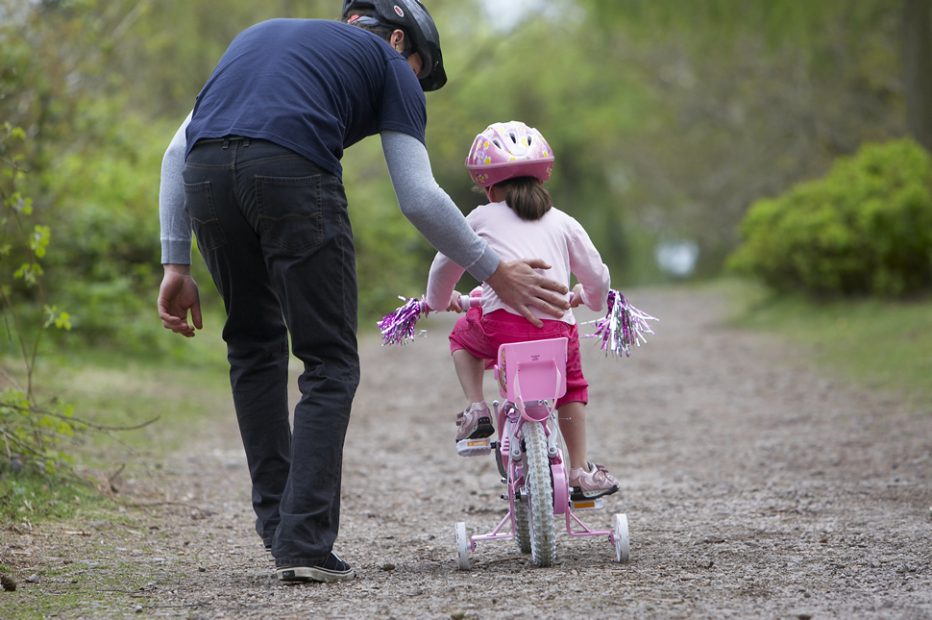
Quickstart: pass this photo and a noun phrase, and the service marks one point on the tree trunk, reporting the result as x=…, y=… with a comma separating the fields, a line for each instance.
x=917, y=65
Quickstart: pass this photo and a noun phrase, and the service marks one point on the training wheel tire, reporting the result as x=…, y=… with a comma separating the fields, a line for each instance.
x=462, y=547
x=620, y=534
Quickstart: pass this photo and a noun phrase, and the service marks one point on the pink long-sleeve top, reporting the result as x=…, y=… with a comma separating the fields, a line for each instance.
x=556, y=238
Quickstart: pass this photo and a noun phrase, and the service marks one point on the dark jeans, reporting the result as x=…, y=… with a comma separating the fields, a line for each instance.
x=275, y=234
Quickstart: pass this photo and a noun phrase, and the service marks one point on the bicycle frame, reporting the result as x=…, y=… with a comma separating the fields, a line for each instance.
x=531, y=377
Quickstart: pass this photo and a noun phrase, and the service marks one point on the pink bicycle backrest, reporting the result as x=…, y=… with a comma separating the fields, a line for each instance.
x=533, y=370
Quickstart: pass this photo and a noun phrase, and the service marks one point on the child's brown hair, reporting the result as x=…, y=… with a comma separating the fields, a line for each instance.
x=527, y=197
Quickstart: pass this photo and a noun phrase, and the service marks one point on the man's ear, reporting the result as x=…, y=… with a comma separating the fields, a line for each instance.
x=397, y=39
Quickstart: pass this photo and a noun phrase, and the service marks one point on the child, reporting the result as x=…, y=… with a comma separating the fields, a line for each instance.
x=510, y=161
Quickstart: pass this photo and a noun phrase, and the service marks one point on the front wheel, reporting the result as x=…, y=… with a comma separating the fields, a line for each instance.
x=539, y=491
x=522, y=525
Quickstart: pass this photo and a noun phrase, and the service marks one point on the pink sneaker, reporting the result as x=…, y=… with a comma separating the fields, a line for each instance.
x=474, y=426
x=592, y=482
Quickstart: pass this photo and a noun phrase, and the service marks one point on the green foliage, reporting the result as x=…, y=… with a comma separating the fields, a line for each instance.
x=667, y=118
x=392, y=258
x=28, y=497
x=882, y=344
x=748, y=97
x=864, y=228
x=31, y=436
x=105, y=194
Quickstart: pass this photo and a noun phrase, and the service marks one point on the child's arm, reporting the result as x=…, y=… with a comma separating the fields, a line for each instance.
x=586, y=264
x=444, y=274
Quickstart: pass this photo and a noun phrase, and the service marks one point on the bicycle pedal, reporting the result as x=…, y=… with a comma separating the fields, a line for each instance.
x=587, y=504
x=474, y=447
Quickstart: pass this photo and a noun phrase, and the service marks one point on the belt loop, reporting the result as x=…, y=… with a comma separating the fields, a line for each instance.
x=246, y=143
x=226, y=144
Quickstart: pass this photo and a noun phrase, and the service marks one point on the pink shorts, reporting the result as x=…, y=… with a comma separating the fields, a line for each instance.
x=481, y=336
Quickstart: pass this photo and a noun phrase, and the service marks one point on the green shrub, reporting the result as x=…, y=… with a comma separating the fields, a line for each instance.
x=864, y=228
x=103, y=195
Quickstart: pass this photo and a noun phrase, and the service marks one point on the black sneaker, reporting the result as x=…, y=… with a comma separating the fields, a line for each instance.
x=331, y=569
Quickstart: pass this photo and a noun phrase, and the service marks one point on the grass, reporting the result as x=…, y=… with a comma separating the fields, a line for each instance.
x=882, y=344
x=90, y=576
x=23, y=496
x=137, y=409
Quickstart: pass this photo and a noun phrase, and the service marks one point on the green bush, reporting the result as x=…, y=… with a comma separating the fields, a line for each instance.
x=103, y=195
x=392, y=258
x=865, y=228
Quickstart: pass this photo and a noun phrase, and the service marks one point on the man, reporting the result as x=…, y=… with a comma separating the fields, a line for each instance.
x=262, y=190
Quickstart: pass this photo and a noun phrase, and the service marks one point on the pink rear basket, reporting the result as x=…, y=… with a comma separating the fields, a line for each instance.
x=533, y=370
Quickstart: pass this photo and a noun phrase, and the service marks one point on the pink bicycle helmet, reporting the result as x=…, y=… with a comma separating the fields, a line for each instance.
x=508, y=150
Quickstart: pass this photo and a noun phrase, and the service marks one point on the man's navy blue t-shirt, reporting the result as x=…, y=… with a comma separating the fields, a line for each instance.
x=313, y=86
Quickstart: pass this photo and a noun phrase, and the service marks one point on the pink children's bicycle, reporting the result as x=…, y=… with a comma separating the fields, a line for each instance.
x=529, y=455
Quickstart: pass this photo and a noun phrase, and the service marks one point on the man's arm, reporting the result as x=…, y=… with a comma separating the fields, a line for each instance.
x=430, y=209
x=178, y=294
x=173, y=219
x=434, y=214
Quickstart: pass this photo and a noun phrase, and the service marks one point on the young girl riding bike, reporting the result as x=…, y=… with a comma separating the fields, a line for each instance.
x=511, y=161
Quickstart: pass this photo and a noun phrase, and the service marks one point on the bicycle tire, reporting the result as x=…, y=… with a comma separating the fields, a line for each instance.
x=522, y=533
x=539, y=491
x=522, y=525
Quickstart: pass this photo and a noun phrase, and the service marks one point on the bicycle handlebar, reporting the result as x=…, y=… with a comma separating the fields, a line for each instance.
x=468, y=301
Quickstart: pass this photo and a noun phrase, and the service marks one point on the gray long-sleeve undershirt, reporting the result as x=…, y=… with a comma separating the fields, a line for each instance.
x=174, y=222
x=422, y=201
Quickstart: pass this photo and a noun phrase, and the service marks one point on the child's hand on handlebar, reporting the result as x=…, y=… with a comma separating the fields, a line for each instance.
x=576, y=296
x=455, y=305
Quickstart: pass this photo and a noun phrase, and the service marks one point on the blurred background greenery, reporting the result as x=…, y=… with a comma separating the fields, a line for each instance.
x=669, y=120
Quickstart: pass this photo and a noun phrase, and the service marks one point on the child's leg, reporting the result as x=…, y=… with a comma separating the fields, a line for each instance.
x=475, y=422
x=588, y=480
x=469, y=371
x=572, y=418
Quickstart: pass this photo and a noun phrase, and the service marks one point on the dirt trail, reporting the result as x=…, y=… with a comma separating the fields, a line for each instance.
x=754, y=486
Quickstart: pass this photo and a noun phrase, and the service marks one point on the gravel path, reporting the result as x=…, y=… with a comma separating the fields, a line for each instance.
x=754, y=486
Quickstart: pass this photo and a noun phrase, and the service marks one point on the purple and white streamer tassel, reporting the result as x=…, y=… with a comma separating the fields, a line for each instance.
x=399, y=325
x=623, y=326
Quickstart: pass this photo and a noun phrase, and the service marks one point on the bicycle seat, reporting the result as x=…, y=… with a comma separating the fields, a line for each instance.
x=532, y=370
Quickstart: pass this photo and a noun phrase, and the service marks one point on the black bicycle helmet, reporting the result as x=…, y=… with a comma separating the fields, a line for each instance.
x=412, y=17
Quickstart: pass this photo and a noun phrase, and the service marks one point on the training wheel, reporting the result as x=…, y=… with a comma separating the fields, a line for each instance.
x=620, y=534
x=462, y=546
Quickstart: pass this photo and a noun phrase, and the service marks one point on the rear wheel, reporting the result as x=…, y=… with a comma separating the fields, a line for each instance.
x=539, y=492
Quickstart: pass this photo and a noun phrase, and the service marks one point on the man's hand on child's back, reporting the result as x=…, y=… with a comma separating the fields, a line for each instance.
x=522, y=288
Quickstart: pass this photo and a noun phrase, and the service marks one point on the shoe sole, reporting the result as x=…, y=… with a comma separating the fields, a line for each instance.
x=578, y=494
x=304, y=574
x=484, y=429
